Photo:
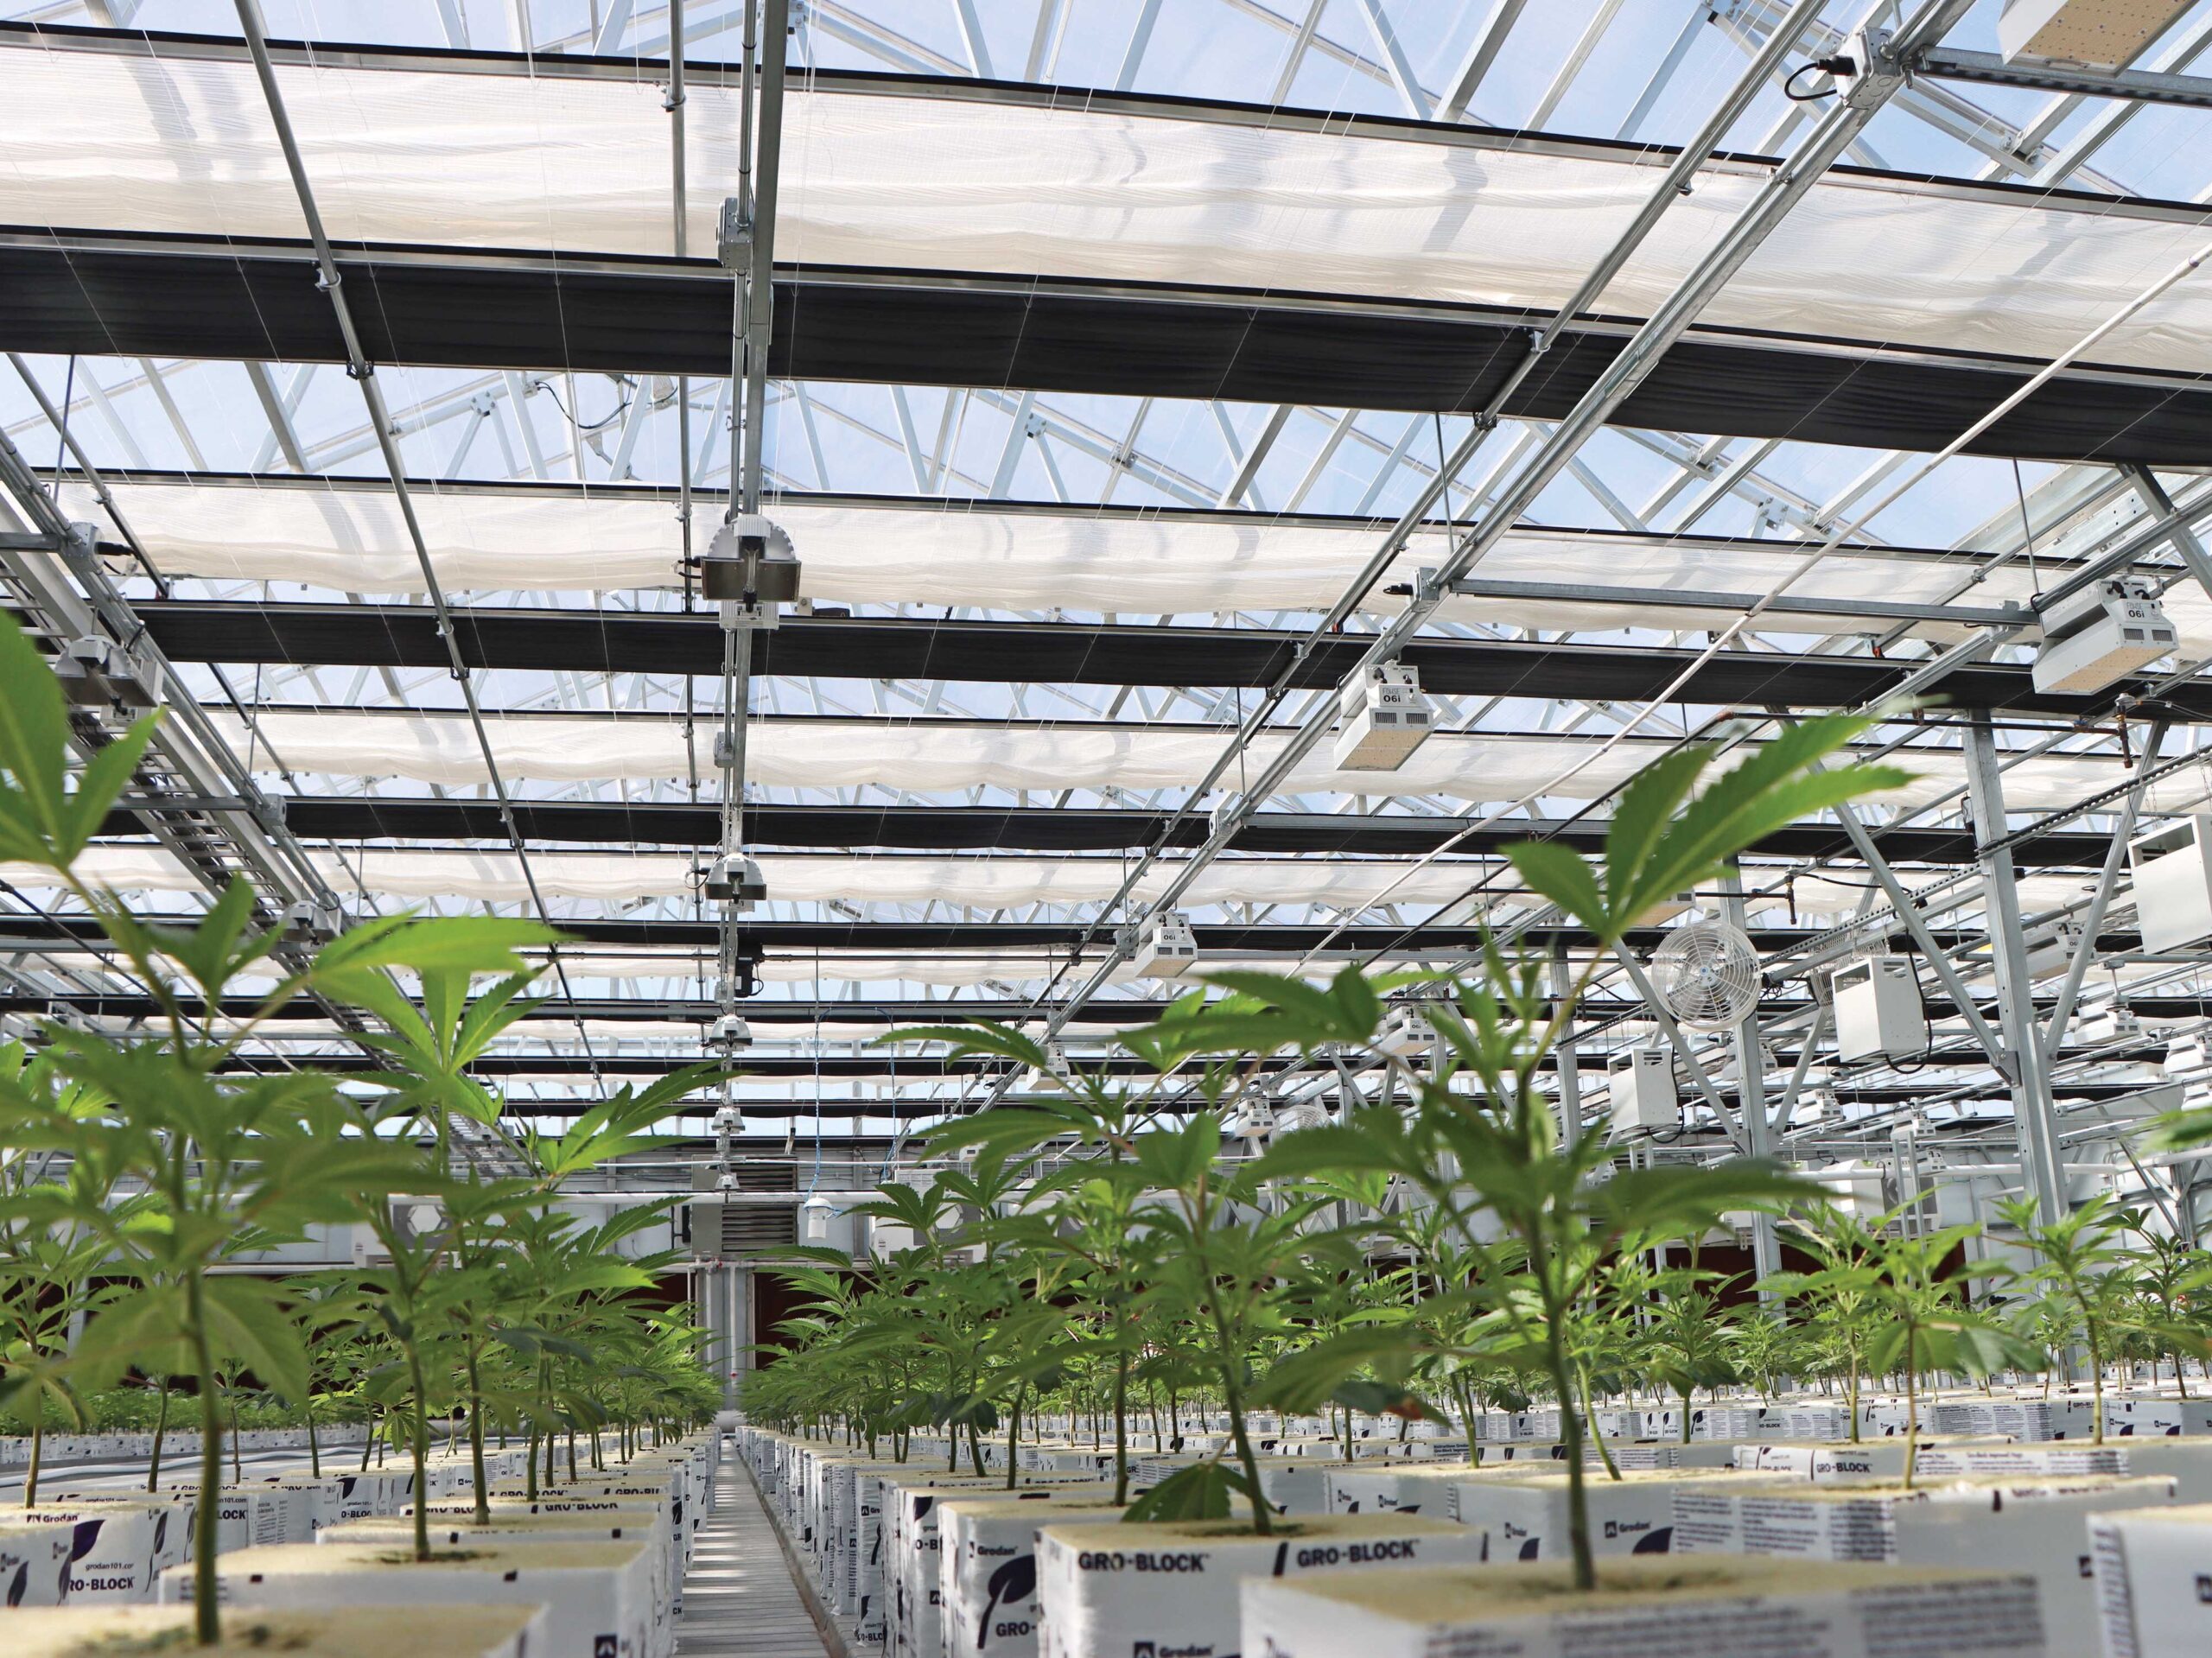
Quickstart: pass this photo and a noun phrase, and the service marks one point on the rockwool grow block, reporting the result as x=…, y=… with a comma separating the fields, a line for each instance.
x=987, y=1572
x=598, y=1595
x=2040, y=1526
x=117, y=1549
x=423, y=1632
x=2154, y=1580
x=1114, y=1591
x=913, y=1577
x=1527, y=1519
x=1709, y=1607
x=2186, y=1462
x=35, y=1557
x=1406, y=1488
x=461, y=1532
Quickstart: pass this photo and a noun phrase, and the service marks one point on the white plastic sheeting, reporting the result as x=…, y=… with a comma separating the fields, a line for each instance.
x=936, y=757
x=349, y=538
x=987, y=882
x=126, y=141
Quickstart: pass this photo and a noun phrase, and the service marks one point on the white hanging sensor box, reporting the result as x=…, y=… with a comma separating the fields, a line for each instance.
x=2110, y=629
x=1385, y=718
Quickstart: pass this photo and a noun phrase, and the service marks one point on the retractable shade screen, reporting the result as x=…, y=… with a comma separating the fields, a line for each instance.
x=133, y=133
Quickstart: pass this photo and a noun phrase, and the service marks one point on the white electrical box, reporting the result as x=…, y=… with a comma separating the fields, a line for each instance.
x=1385, y=719
x=2094, y=33
x=2171, y=869
x=1166, y=948
x=1407, y=1032
x=1878, y=1014
x=1640, y=1086
x=2100, y=635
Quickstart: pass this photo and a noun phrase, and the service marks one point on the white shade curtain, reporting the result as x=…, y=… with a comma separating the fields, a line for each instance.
x=937, y=757
x=124, y=140
x=350, y=538
x=989, y=882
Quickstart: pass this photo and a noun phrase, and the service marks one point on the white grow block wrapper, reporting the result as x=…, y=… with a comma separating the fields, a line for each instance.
x=171, y=1513
x=2038, y=1526
x=2138, y=1416
x=1884, y=1459
x=100, y=1631
x=2154, y=1580
x=35, y=1557
x=1714, y=1609
x=1404, y=1488
x=2186, y=1462
x=1527, y=1519
x=322, y=1499
x=630, y=1490
x=596, y=1595
x=914, y=1581
x=1298, y=1485
x=461, y=1532
x=989, y=1605
x=1171, y=1587
x=115, y=1548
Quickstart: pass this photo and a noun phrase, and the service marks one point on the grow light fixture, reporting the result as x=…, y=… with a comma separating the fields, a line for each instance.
x=1039, y=1080
x=735, y=880
x=1407, y=1032
x=729, y=1035
x=2108, y=631
x=97, y=673
x=1165, y=947
x=1385, y=719
x=750, y=561
x=2091, y=33
x=309, y=922
x=1254, y=1120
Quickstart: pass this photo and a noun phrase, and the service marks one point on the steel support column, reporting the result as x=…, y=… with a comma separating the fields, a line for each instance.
x=1751, y=1074
x=2032, y=1106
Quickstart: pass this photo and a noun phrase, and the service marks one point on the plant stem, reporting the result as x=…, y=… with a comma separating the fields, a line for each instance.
x=161, y=1432
x=38, y=1448
x=1597, y=1434
x=1570, y=1425
x=476, y=1440
x=207, y=1622
x=1912, y=1409
x=2097, y=1381
x=1121, y=1423
x=420, y=1434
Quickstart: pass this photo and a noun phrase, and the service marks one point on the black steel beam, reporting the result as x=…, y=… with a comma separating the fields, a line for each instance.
x=112, y=295
x=606, y=641
x=429, y=821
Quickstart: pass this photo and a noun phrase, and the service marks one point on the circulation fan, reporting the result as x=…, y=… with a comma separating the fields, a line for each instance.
x=1707, y=974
